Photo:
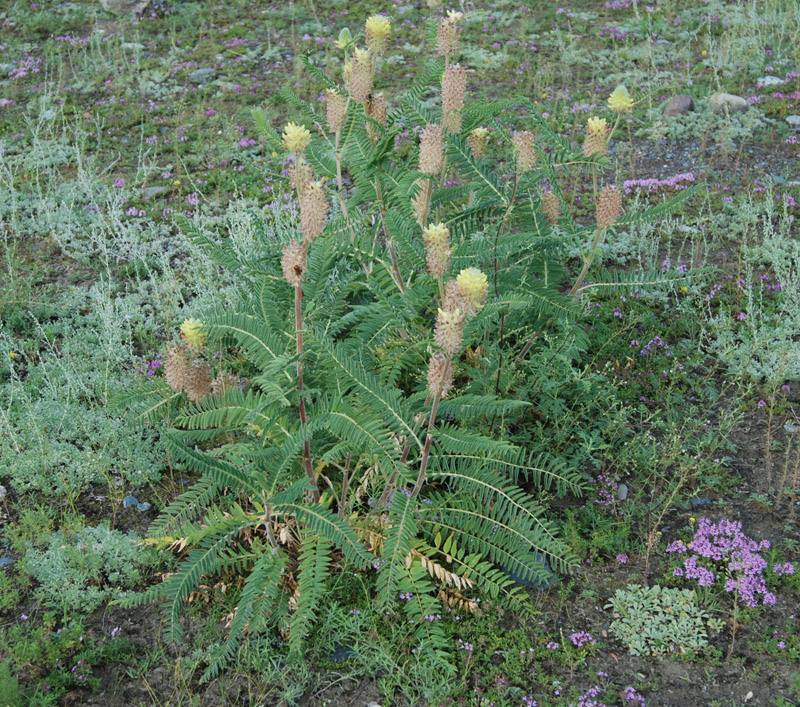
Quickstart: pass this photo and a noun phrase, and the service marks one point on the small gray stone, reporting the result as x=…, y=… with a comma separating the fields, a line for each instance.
x=678, y=105
x=622, y=492
x=153, y=191
x=794, y=121
x=132, y=46
x=124, y=7
x=769, y=81
x=721, y=101
x=201, y=75
x=700, y=502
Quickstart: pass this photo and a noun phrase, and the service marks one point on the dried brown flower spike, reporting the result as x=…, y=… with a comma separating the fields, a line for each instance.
x=359, y=81
x=378, y=109
x=449, y=331
x=293, y=263
x=477, y=142
x=454, y=86
x=551, y=207
x=448, y=33
x=526, y=153
x=440, y=375
x=300, y=172
x=198, y=382
x=336, y=105
x=313, y=209
x=437, y=249
x=596, y=140
x=421, y=200
x=454, y=297
x=431, y=149
x=609, y=206
x=176, y=368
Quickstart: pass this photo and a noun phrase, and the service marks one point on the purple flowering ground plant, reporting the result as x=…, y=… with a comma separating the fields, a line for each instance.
x=720, y=551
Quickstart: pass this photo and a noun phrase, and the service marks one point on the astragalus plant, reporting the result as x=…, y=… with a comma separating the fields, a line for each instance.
x=377, y=339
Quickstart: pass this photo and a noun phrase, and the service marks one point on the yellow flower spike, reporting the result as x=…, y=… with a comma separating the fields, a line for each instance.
x=296, y=137
x=193, y=334
x=620, y=100
x=377, y=30
x=474, y=286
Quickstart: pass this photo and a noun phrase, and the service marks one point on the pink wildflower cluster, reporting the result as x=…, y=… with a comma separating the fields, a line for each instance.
x=581, y=638
x=730, y=553
x=677, y=182
x=631, y=697
x=588, y=698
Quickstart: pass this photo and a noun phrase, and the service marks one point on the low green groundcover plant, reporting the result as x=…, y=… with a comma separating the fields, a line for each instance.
x=354, y=408
x=658, y=620
x=79, y=573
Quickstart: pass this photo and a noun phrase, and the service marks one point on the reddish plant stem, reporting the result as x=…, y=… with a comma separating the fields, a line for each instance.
x=298, y=320
x=345, y=480
x=423, y=465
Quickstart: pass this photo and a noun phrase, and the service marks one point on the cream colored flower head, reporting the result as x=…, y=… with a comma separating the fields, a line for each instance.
x=597, y=126
x=295, y=137
x=361, y=55
x=437, y=232
x=474, y=287
x=193, y=333
x=378, y=29
x=620, y=100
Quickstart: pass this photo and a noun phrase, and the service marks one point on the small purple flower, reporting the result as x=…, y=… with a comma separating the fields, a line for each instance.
x=552, y=646
x=622, y=558
x=581, y=638
x=761, y=403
